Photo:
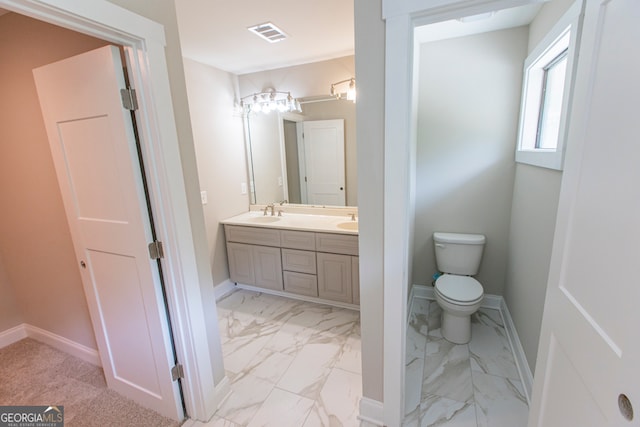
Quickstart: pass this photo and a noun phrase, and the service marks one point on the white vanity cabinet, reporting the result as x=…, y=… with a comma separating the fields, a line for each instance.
x=308, y=263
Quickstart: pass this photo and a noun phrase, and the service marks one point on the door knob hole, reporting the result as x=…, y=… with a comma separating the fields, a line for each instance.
x=626, y=409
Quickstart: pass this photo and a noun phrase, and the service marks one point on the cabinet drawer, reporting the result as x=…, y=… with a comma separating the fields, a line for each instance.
x=300, y=261
x=337, y=243
x=300, y=283
x=298, y=240
x=252, y=235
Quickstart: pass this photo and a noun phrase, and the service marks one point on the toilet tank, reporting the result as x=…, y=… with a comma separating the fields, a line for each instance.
x=458, y=253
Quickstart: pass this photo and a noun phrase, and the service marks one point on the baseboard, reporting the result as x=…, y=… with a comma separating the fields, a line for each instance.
x=495, y=302
x=64, y=344
x=410, y=302
x=223, y=289
x=299, y=297
x=61, y=343
x=12, y=335
x=371, y=411
x=518, y=351
x=423, y=291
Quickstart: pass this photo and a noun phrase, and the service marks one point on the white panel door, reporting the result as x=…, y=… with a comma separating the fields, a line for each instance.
x=324, y=162
x=589, y=358
x=94, y=151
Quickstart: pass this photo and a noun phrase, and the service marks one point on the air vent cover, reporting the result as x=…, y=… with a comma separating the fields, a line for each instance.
x=269, y=32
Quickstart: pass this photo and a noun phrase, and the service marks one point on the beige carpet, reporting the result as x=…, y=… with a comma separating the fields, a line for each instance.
x=33, y=373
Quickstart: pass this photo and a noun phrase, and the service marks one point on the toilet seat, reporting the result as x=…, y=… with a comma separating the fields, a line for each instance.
x=460, y=290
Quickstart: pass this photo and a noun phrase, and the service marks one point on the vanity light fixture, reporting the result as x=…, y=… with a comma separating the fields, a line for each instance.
x=351, y=90
x=269, y=100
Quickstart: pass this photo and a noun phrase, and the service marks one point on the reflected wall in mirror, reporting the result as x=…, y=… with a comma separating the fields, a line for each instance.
x=320, y=168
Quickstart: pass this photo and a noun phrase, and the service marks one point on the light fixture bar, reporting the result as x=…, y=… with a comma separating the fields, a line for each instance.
x=350, y=92
x=269, y=32
x=269, y=100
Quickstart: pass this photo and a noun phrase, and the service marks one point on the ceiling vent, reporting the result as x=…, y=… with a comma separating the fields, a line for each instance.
x=269, y=32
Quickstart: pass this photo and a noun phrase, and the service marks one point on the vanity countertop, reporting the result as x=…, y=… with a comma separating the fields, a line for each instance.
x=342, y=224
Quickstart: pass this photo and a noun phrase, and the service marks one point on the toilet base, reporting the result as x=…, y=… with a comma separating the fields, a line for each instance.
x=456, y=329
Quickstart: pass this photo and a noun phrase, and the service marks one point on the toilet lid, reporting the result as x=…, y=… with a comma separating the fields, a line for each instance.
x=459, y=288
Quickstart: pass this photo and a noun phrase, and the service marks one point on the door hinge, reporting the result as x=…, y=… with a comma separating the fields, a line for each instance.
x=156, y=251
x=129, y=99
x=177, y=372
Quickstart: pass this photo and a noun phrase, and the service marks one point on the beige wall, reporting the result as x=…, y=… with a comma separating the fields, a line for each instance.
x=468, y=103
x=36, y=245
x=219, y=140
x=9, y=311
x=312, y=80
x=369, y=43
x=533, y=215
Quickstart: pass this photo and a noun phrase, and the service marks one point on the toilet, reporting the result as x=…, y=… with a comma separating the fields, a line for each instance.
x=457, y=293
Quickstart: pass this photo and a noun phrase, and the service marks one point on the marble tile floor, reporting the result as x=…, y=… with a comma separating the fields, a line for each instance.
x=290, y=363
x=471, y=385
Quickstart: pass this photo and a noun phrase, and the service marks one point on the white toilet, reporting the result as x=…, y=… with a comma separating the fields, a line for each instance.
x=457, y=293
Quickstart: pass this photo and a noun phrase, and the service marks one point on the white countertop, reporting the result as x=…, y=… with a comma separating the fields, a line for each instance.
x=295, y=221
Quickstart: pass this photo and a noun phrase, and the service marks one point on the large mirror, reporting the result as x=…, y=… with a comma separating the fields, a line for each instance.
x=306, y=157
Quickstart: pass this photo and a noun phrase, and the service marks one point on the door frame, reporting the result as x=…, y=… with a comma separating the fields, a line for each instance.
x=144, y=43
x=401, y=18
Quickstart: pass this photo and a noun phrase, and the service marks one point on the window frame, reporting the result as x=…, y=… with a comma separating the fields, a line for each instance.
x=549, y=48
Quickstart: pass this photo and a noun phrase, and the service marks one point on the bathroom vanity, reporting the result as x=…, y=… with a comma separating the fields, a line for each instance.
x=312, y=257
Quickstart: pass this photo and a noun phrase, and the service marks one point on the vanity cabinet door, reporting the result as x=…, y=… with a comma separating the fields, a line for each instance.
x=355, y=279
x=267, y=266
x=334, y=277
x=240, y=263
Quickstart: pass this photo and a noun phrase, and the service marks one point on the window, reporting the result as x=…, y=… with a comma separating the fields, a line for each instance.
x=551, y=104
x=546, y=94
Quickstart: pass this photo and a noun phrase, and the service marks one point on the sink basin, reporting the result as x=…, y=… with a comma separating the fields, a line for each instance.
x=264, y=219
x=350, y=225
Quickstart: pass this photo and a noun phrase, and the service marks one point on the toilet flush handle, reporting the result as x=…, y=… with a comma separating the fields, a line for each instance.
x=439, y=245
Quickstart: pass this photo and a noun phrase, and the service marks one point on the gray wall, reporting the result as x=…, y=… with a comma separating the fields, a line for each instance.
x=533, y=214
x=469, y=99
x=219, y=142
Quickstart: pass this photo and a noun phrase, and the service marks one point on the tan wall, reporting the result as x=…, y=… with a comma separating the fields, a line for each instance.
x=9, y=311
x=36, y=245
x=219, y=140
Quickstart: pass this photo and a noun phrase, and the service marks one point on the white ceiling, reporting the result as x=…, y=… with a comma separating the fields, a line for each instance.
x=214, y=32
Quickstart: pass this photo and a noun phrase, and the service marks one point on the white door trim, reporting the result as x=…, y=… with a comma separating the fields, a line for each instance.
x=144, y=44
x=402, y=17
